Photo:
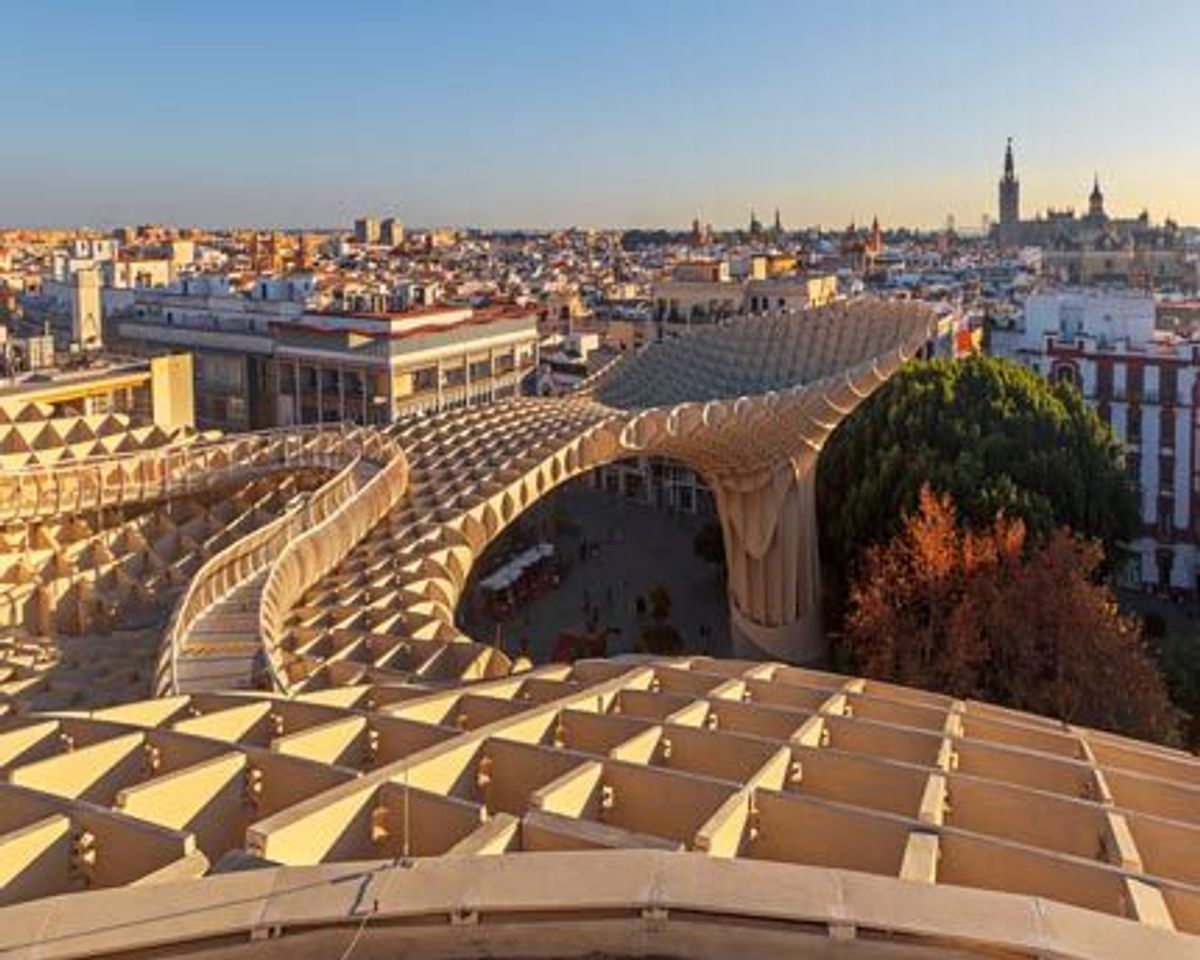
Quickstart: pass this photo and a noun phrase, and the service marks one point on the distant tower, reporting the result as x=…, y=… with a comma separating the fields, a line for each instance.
x=1010, y=192
x=366, y=231
x=274, y=255
x=755, y=226
x=391, y=232
x=1096, y=200
x=85, y=310
x=778, y=224
x=303, y=263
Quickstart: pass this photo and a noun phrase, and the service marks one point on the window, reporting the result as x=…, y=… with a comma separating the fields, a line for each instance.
x=1168, y=384
x=425, y=379
x=1065, y=373
x=1134, y=380
x=1133, y=425
x=1166, y=428
x=1166, y=476
x=1164, y=518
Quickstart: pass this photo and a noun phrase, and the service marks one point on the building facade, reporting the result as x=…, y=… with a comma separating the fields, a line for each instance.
x=229, y=335
x=391, y=232
x=656, y=482
x=701, y=291
x=267, y=359
x=379, y=368
x=366, y=230
x=157, y=391
x=1144, y=383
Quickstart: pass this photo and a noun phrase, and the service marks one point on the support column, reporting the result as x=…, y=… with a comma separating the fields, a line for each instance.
x=320, y=393
x=341, y=374
x=770, y=529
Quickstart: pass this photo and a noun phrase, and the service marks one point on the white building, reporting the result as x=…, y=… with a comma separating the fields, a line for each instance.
x=1142, y=381
x=704, y=290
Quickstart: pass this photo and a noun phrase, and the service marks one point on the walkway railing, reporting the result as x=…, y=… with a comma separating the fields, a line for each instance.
x=54, y=489
x=347, y=448
x=307, y=558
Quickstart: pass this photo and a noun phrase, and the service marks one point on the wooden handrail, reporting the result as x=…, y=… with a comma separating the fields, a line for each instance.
x=347, y=448
x=44, y=490
x=318, y=550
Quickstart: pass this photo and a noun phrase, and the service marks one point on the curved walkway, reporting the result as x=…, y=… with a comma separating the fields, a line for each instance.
x=778, y=385
x=366, y=576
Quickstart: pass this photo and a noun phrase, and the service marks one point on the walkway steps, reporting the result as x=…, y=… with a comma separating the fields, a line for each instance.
x=223, y=645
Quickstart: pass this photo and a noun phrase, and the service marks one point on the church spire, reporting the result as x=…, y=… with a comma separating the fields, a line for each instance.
x=1010, y=193
x=1096, y=200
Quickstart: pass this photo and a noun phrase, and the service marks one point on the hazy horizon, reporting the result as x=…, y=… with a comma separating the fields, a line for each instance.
x=540, y=115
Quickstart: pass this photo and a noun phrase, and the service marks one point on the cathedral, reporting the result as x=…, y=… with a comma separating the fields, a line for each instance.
x=1095, y=248
x=1064, y=228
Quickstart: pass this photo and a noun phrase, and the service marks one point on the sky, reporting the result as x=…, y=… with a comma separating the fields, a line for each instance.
x=543, y=113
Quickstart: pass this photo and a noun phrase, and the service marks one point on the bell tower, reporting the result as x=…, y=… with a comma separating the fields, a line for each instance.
x=1010, y=191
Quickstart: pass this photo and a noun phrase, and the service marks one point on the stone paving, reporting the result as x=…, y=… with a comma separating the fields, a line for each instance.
x=631, y=547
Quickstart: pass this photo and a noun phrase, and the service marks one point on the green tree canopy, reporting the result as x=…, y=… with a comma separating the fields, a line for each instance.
x=992, y=434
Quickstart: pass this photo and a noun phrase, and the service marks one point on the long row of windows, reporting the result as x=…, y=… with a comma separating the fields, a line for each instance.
x=1135, y=386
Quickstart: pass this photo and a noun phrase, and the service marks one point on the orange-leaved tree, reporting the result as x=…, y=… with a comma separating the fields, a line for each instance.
x=988, y=614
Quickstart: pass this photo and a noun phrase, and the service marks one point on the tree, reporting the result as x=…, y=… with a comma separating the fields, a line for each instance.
x=659, y=635
x=993, y=435
x=990, y=614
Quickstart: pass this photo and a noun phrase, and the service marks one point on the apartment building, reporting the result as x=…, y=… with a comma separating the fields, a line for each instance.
x=1143, y=381
x=229, y=335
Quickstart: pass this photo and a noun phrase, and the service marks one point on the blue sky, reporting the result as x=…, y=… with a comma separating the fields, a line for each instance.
x=623, y=112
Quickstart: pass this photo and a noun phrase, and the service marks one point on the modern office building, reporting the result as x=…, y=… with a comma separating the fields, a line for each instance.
x=366, y=230
x=381, y=367
x=391, y=232
x=268, y=358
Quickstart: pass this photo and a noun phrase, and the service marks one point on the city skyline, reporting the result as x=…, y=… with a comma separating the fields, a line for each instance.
x=550, y=116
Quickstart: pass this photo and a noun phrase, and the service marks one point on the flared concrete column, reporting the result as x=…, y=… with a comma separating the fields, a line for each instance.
x=770, y=527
